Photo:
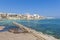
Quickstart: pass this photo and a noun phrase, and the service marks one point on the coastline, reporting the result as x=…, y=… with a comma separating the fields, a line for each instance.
x=12, y=36
x=39, y=35
x=44, y=34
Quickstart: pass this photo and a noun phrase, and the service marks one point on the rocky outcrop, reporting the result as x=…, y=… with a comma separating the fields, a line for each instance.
x=2, y=27
x=39, y=35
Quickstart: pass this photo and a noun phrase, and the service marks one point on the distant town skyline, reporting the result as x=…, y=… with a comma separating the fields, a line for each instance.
x=41, y=7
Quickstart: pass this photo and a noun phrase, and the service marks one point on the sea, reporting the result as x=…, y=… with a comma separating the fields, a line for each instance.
x=46, y=26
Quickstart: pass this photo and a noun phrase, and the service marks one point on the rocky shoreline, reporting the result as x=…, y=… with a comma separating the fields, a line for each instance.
x=39, y=35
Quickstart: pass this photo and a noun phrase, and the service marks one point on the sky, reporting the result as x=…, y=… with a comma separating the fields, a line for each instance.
x=41, y=7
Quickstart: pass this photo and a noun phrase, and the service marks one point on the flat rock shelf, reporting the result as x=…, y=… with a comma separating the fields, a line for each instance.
x=12, y=36
x=39, y=36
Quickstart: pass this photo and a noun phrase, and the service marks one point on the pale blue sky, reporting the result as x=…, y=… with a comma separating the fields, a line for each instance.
x=42, y=7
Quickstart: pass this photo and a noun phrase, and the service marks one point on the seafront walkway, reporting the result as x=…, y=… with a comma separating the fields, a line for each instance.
x=38, y=35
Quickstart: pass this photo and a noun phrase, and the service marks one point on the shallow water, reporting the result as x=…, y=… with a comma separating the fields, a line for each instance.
x=50, y=26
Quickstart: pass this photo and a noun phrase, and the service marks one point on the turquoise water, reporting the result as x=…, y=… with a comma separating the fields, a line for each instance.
x=49, y=26
x=8, y=25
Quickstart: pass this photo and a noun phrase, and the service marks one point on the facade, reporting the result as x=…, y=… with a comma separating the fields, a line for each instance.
x=20, y=16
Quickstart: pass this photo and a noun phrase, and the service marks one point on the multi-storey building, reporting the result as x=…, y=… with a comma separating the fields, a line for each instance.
x=20, y=16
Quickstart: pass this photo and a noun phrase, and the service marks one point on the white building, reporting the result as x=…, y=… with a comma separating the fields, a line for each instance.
x=36, y=16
